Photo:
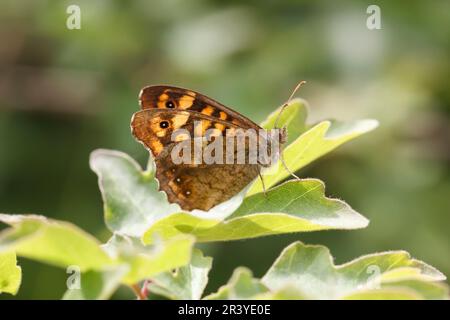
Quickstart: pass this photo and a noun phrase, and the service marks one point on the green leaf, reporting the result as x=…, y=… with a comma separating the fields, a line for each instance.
x=63, y=244
x=10, y=273
x=54, y=242
x=187, y=282
x=242, y=285
x=286, y=293
x=312, y=144
x=96, y=285
x=293, y=118
x=131, y=198
x=145, y=262
x=385, y=294
x=295, y=206
x=311, y=271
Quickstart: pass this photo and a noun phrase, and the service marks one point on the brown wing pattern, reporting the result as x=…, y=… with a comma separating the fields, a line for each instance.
x=169, y=97
x=165, y=109
x=192, y=186
x=154, y=127
x=204, y=186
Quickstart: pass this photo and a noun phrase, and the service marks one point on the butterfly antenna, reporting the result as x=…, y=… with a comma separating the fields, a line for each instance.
x=287, y=102
x=276, y=123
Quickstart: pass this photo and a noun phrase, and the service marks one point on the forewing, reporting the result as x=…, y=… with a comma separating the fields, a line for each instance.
x=157, y=129
x=169, y=97
x=191, y=185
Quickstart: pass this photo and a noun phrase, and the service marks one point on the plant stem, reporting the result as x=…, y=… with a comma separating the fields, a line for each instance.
x=137, y=291
x=144, y=290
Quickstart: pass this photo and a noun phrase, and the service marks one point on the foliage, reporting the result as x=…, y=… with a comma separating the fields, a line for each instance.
x=308, y=272
x=150, y=237
x=67, y=92
x=10, y=273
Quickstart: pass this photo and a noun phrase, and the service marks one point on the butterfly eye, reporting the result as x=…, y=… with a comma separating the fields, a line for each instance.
x=164, y=124
x=170, y=104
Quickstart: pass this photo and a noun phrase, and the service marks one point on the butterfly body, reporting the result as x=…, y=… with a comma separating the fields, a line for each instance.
x=167, y=110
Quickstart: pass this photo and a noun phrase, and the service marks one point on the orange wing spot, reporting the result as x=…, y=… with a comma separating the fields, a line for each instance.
x=223, y=115
x=201, y=128
x=182, y=137
x=156, y=128
x=205, y=125
x=185, y=102
x=220, y=126
x=235, y=121
x=214, y=133
x=180, y=120
x=161, y=104
x=208, y=110
x=156, y=146
x=162, y=100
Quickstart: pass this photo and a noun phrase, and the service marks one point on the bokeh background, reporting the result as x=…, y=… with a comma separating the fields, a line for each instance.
x=64, y=93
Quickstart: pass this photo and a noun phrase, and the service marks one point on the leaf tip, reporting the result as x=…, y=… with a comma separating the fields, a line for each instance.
x=367, y=125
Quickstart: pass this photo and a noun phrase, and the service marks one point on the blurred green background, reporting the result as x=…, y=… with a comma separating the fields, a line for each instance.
x=64, y=93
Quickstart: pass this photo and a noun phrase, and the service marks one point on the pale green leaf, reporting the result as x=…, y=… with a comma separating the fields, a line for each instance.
x=147, y=261
x=185, y=283
x=132, y=202
x=310, y=270
x=10, y=273
x=312, y=144
x=63, y=244
x=295, y=206
x=293, y=118
x=417, y=271
x=131, y=198
x=54, y=242
x=385, y=294
x=286, y=293
x=241, y=286
x=427, y=290
x=96, y=285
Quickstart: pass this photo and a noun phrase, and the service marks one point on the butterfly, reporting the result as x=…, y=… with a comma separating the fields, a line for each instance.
x=166, y=109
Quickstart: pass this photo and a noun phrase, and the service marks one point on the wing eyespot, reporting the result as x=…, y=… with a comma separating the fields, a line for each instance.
x=164, y=124
x=170, y=104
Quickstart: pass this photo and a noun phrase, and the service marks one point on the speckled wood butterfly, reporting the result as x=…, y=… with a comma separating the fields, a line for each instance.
x=166, y=109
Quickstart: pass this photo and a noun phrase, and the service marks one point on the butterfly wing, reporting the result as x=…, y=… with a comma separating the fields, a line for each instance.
x=192, y=186
x=169, y=97
x=204, y=186
x=155, y=127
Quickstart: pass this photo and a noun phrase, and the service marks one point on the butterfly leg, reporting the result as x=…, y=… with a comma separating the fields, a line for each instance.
x=286, y=167
x=262, y=182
